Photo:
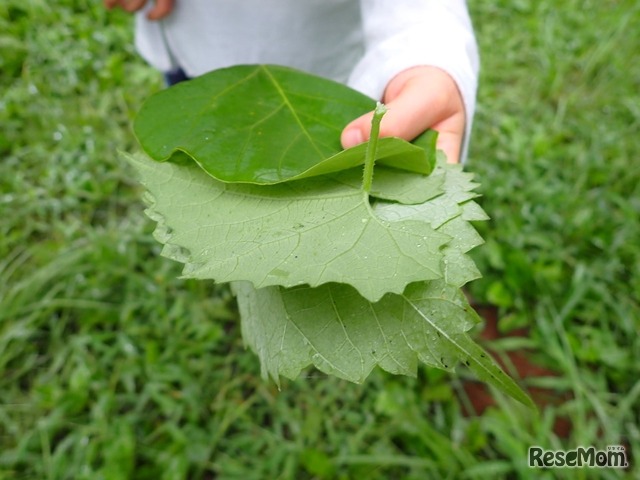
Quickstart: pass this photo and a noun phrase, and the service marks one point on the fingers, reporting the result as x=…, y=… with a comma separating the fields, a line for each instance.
x=128, y=5
x=450, y=136
x=132, y=5
x=417, y=99
x=161, y=9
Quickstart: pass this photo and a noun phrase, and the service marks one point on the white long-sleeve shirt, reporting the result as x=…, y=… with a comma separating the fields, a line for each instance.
x=361, y=43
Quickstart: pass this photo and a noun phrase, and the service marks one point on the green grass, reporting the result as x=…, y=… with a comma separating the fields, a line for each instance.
x=112, y=368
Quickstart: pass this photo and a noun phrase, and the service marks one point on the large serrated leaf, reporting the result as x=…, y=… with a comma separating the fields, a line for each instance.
x=343, y=334
x=305, y=232
x=266, y=124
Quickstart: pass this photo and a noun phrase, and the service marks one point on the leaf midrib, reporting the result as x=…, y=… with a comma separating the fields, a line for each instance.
x=288, y=103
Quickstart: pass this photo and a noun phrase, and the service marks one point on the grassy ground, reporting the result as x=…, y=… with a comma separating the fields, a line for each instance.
x=111, y=368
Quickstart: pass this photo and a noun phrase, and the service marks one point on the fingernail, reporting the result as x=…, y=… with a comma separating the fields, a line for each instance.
x=352, y=137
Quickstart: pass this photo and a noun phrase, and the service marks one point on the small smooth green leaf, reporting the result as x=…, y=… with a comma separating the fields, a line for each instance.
x=305, y=232
x=343, y=334
x=391, y=151
x=266, y=124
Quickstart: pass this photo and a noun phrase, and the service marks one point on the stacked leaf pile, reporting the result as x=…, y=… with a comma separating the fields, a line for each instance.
x=248, y=184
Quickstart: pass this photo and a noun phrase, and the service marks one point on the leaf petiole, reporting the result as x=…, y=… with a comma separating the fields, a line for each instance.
x=372, y=146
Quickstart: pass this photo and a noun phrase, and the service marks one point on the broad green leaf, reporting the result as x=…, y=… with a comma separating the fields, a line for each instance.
x=341, y=333
x=305, y=232
x=266, y=124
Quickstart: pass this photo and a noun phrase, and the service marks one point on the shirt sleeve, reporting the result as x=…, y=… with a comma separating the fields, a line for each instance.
x=408, y=33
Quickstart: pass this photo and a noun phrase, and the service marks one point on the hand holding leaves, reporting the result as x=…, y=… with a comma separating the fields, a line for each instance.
x=418, y=99
x=325, y=273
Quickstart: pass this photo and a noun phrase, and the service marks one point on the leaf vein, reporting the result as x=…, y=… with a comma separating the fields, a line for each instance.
x=285, y=98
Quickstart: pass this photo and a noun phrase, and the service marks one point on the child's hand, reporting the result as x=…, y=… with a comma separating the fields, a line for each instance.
x=417, y=99
x=161, y=9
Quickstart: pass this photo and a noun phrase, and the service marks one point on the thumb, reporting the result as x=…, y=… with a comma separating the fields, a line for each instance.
x=357, y=131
